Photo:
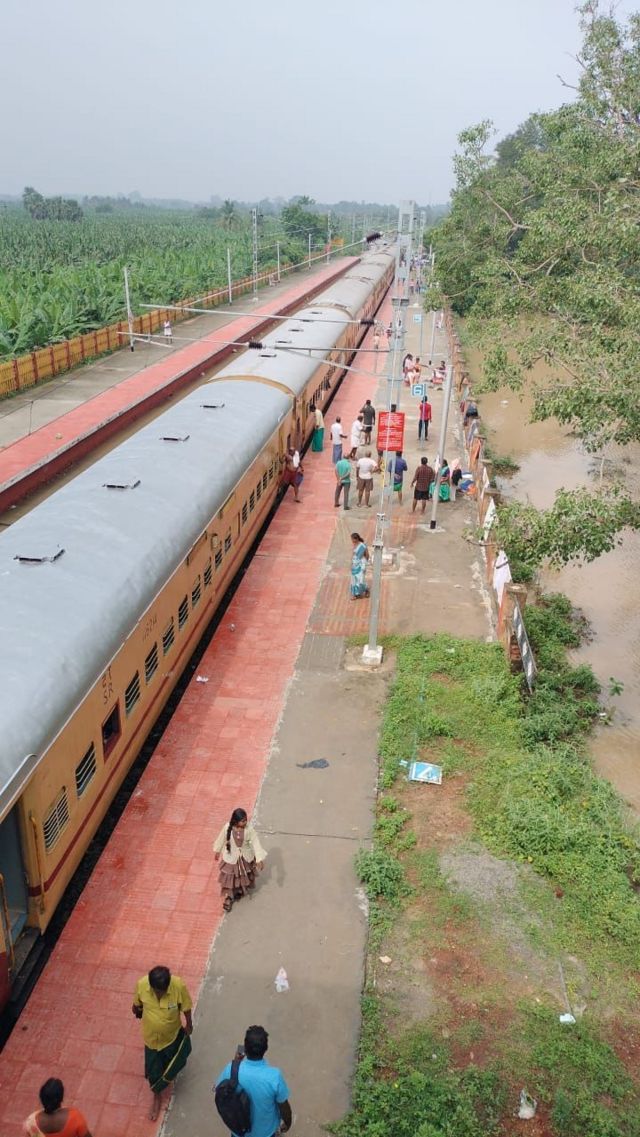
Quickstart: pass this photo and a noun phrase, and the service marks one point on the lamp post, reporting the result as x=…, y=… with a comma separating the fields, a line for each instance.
x=254, y=227
x=372, y=653
x=441, y=445
x=128, y=303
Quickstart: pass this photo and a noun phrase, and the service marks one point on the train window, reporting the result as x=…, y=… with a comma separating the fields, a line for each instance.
x=195, y=592
x=132, y=694
x=111, y=731
x=168, y=636
x=151, y=664
x=183, y=612
x=259, y=490
x=227, y=543
x=56, y=819
x=245, y=513
x=218, y=558
x=265, y=479
x=207, y=574
x=252, y=501
x=85, y=770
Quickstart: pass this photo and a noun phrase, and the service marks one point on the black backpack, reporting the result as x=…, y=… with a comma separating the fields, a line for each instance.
x=233, y=1103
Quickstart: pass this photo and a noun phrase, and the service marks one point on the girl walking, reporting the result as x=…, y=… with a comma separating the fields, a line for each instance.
x=241, y=852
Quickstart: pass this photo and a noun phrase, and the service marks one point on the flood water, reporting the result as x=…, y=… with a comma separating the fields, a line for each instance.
x=607, y=591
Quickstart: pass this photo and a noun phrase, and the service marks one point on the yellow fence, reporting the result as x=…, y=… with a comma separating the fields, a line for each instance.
x=27, y=370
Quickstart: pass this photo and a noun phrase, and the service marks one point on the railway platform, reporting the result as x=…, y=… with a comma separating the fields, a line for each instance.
x=75, y=414
x=280, y=685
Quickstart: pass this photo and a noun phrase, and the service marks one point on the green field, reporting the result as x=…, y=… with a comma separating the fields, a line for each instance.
x=59, y=279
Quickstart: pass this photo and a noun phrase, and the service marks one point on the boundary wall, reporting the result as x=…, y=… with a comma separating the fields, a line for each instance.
x=24, y=371
x=509, y=597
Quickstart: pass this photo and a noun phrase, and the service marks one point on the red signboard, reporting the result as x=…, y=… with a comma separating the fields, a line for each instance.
x=390, y=430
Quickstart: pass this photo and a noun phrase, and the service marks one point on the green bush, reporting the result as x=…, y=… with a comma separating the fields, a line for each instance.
x=382, y=875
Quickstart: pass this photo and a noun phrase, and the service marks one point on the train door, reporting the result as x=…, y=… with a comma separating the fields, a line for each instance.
x=14, y=898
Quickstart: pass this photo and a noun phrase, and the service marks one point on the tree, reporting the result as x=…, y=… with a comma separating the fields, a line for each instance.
x=298, y=222
x=541, y=253
x=50, y=208
x=34, y=203
x=229, y=215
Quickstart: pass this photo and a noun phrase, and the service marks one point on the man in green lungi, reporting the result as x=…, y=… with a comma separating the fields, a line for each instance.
x=160, y=999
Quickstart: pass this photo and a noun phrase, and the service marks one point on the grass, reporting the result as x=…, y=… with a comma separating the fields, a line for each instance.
x=533, y=798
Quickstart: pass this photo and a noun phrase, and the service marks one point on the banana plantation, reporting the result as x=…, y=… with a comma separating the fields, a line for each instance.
x=60, y=279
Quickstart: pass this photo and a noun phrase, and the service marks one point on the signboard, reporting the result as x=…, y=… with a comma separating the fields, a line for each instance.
x=390, y=430
x=528, y=662
x=417, y=390
x=417, y=318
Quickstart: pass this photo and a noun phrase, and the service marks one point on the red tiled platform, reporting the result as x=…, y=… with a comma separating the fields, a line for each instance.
x=35, y=459
x=153, y=896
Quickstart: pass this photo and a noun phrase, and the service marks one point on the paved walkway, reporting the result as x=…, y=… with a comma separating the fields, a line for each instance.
x=284, y=688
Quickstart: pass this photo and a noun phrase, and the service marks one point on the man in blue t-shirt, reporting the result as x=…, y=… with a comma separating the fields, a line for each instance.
x=398, y=467
x=267, y=1089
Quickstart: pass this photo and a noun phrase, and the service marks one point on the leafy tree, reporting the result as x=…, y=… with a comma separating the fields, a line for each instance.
x=50, y=208
x=34, y=203
x=531, y=135
x=229, y=215
x=298, y=221
x=541, y=251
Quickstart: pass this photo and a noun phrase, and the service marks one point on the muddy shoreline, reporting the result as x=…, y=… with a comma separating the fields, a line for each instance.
x=607, y=591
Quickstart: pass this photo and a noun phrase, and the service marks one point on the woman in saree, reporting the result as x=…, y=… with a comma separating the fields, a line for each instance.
x=444, y=491
x=317, y=441
x=242, y=854
x=359, y=558
x=54, y=1117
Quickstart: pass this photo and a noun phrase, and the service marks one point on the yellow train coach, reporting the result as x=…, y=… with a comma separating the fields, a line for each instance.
x=107, y=586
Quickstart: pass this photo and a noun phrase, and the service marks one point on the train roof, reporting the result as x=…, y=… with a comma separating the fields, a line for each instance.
x=79, y=570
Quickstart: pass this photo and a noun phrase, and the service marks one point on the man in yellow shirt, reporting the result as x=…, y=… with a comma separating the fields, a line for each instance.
x=159, y=1000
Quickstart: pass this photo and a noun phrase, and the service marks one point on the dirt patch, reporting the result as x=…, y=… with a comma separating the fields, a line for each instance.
x=625, y=1040
x=439, y=815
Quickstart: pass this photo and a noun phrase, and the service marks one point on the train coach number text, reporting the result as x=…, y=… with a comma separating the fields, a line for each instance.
x=148, y=626
x=107, y=686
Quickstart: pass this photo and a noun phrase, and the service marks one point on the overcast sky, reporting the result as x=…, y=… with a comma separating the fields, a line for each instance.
x=343, y=99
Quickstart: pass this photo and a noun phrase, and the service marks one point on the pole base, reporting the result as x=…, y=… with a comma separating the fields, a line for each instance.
x=372, y=656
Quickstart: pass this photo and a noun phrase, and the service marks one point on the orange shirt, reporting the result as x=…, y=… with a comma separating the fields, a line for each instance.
x=75, y=1126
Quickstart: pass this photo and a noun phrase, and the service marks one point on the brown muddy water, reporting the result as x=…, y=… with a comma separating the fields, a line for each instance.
x=607, y=591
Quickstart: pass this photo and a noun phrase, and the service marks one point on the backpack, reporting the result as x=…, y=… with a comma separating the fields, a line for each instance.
x=233, y=1103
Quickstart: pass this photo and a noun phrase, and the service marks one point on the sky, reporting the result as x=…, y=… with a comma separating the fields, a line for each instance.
x=341, y=100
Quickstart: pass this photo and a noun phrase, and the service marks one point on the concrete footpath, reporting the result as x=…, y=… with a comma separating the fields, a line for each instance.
x=308, y=914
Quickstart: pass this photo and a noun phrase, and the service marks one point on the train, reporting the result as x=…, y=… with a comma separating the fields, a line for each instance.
x=107, y=586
